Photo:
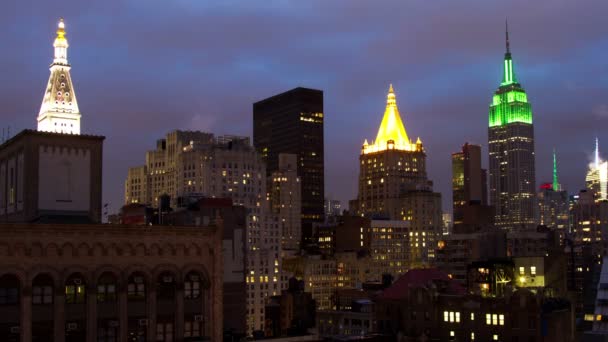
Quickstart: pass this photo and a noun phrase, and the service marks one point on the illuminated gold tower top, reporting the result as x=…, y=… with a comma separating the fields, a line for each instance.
x=392, y=134
x=59, y=111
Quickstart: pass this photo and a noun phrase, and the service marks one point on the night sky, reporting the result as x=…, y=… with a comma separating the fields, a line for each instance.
x=142, y=68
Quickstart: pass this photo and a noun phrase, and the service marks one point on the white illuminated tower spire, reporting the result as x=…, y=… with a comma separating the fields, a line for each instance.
x=59, y=111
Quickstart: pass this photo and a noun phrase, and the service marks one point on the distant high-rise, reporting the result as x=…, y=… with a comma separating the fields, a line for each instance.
x=553, y=208
x=468, y=180
x=292, y=122
x=511, y=147
x=393, y=183
x=597, y=176
x=59, y=112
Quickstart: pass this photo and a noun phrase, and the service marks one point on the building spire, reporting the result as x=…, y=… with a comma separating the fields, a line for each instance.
x=59, y=111
x=392, y=133
x=507, y=35
x=61, y=45
x=509, y=73
x=597, y=153
x=556, y=186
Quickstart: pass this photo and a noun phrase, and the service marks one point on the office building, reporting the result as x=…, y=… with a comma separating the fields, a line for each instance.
x=292, y=122
x=468, y=180
x=286, y=201
x=511, y=147
x=393, y=182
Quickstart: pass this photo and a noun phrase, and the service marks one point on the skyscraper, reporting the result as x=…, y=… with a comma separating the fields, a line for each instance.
x=292, y=122
x=597, y=176
x=393, y=183
x=511, y=147
x=468, y=180
x=59, y=112
x=553, y=208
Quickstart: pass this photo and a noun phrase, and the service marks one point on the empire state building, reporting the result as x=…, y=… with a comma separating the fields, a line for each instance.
x=511, y=147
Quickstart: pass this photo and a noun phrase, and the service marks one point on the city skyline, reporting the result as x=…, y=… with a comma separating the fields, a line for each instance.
x=191, y=103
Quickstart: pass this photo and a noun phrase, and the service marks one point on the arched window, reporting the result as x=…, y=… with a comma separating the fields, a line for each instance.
x=192, y=286
x=106, y=288
x=136, y=287
x=9, y=290
x=75, y=289
x=42, y=290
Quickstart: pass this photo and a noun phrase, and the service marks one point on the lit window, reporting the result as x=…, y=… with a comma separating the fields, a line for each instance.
x=458, y=317
x=522, y=270
x=452, y=334
x=495, y=337
x=533, y=270
x=488, y=319
x=501, y=319
x=472, y=336
x=472, y=316
x=494, y=319
x=451, y=316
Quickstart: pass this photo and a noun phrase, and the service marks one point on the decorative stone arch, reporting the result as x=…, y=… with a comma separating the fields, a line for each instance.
x=180, y=250
x=5, y=250
x=67, y=271
x=141, y=250
x=136, y=268
x=201, y=269
x=193, y=250
x=51, y=250
x=114, y=250
x=17, y=272
x=20, y=250
x=37, y=250
x=160, y=269
x=155, y=250
x=127, y=249
x=168, y=250
x=67, y=250
x=99, y=271
x=83, y=250
x=99, y=249
x=44, y=269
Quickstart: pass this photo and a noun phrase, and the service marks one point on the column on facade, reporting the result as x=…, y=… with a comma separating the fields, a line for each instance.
x=91, y=301
x=179, y=311
x=25, y=321
x=151, y=306
x=59, y=312
x=123, y=313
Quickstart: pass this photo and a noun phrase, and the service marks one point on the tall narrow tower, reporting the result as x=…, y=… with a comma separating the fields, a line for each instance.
x=511, y=146
x=59, y=111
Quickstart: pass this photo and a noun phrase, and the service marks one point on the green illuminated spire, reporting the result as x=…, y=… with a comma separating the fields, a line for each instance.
x=555, y=182
x=510, y=102
x=509, y=73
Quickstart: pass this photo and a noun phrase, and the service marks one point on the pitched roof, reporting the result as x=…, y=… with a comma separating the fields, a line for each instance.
x=422, y=277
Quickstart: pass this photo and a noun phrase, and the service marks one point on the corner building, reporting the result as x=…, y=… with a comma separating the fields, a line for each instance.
x=511, y=146
x=393, y=183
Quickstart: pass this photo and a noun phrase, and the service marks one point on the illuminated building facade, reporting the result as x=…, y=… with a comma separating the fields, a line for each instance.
x=292, y=122
x=188, y=165
x=393, y=182
x=553, y=208
x=468, y=180
x=511, y=148
x=59, y=112
x=285, y=201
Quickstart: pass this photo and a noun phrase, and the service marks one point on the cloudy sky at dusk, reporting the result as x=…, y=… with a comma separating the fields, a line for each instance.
x=142, y=68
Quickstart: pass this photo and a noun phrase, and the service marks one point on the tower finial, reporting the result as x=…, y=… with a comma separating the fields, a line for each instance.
x=390, y=89
x=507, y=36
